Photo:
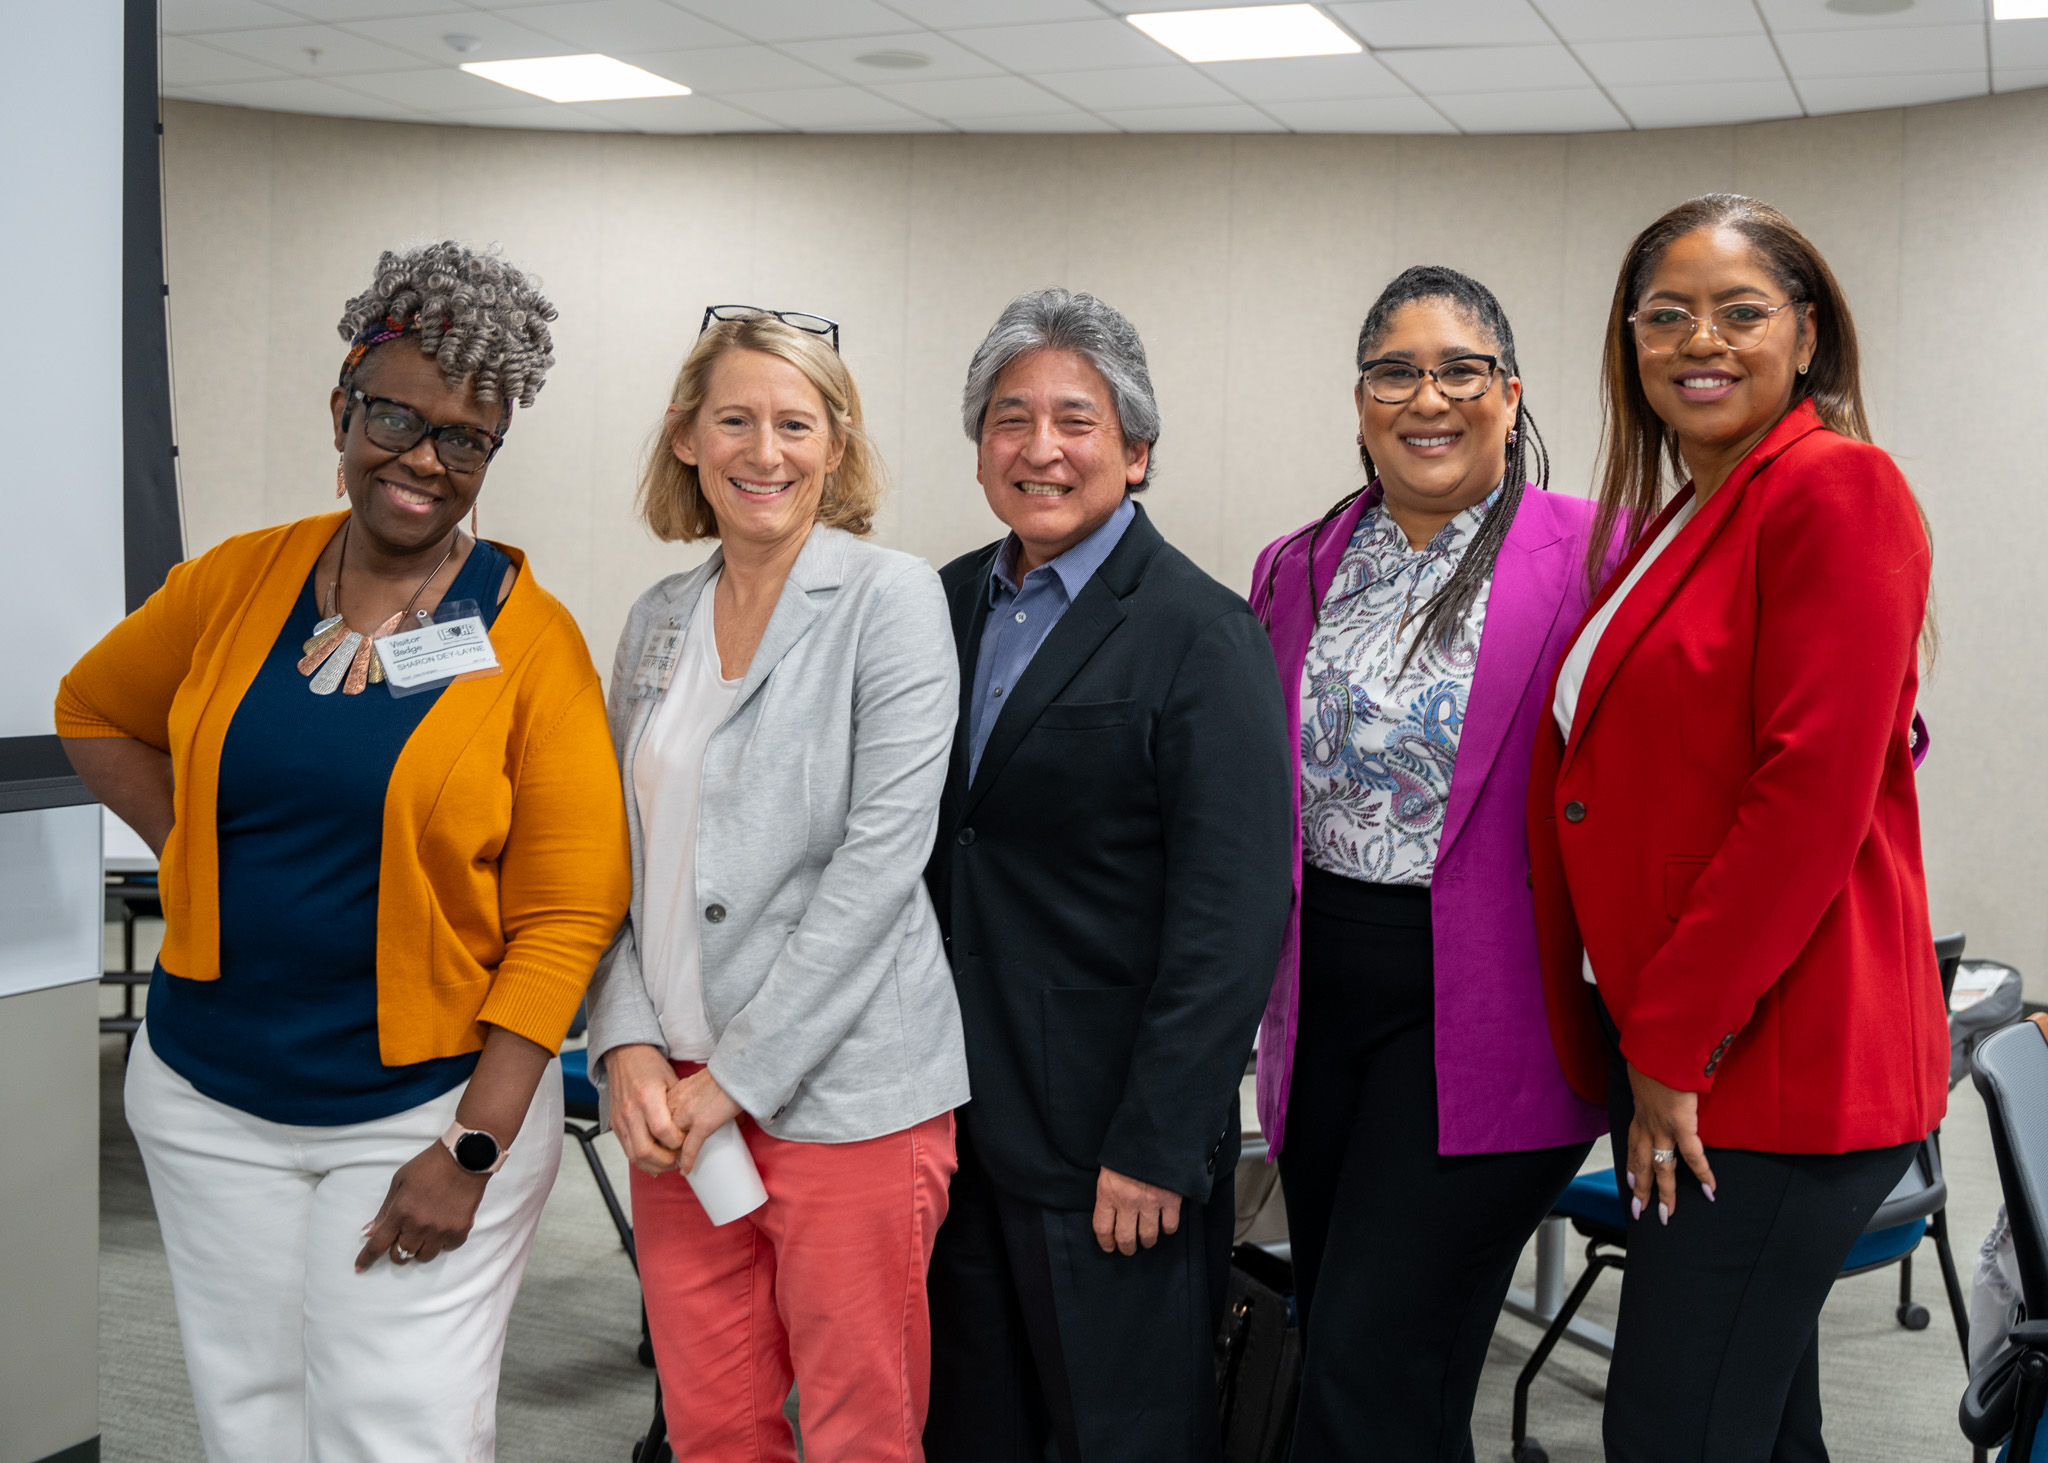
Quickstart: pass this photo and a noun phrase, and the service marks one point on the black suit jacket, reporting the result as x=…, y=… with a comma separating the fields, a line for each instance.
x=1114, y=883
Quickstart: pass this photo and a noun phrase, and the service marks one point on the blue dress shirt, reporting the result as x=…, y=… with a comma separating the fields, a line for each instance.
x=1020, y=616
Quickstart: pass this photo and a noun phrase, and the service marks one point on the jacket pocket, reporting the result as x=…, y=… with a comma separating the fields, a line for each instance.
x=1084, y=715
x=1089, y=1037
x=1680, y=874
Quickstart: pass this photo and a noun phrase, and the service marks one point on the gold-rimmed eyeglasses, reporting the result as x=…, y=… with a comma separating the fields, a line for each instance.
x=1663, y=330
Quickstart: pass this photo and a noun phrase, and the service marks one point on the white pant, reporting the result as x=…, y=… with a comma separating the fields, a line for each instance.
x=293, y=1357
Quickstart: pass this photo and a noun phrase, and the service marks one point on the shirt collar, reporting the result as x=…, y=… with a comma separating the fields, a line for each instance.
x=1075, y=567
x=1450, y=537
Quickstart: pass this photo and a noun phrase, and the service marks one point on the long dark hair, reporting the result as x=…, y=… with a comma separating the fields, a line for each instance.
x=1448, y=607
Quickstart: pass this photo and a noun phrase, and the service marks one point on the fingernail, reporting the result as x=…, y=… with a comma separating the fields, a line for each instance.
x=1631, y=1178
x=1663, y=1212
x=1635, y=1208
x=1708, y=1190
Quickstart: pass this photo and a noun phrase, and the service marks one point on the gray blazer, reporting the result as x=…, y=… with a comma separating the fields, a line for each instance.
x=824, y=978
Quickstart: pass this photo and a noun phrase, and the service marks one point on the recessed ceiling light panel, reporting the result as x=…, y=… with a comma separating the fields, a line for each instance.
x=591, y=78
x=2019, y=9
x=1247, y=33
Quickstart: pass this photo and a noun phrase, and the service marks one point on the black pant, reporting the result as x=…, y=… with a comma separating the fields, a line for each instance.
x=1717, y=1350
x=1402, y=1255
x=1044, y=1347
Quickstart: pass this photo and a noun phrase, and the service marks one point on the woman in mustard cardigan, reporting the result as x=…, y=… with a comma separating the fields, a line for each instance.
x=383, y=899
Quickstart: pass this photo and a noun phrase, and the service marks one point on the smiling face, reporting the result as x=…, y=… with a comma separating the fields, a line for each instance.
x=1436, y=457
x=1721, y=402
x=762, y=445
x=1053, y=462
x=407, y=503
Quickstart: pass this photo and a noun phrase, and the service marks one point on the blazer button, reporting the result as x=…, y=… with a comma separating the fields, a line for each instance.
x=1575, y=811
x=965, y=837
x=714, y=912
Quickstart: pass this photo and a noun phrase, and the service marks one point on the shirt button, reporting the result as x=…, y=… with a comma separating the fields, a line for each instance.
x=965, y=837
x=714, y=912
x=998, y=691
x=1575, y=812
x=1020, y=617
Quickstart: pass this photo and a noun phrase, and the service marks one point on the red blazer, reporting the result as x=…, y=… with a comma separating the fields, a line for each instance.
x=1733, y=830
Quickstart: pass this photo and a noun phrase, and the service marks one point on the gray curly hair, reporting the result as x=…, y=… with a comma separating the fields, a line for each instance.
x=484, y=321
x=1059, y=320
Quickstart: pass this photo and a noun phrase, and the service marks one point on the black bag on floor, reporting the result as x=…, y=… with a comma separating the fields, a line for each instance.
x=1258, y=1359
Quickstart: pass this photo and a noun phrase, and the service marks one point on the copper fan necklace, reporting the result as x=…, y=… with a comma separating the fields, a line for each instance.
x=340, y=659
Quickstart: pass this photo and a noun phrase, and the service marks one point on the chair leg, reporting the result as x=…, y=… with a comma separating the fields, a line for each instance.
x=1595, y=1263
x=586, y=1140
x=1958, y=1308
x=654, y=1447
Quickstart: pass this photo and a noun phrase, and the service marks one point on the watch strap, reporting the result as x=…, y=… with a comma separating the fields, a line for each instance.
x=457, y=1132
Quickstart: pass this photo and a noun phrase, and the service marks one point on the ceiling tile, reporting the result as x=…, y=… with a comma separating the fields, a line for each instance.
x=616, y=26
x=678, y=114
x=1071, y=120
x=826, y=106
x=188, y=63
x=1900, y=52
x=440, y=89
x=2019, y=78
x=1805, y=15
x=1384, y=23
x=1460, y=69
x=354, y=10
x=1679, y=63
x=1868, y=93
x=420, y=35
x=798, y=20
x=300, y=94
x=988, y=96
x=185, y=17
x=1706, y=103
x=1138, y=86
x=547, y=117
x=1067, y=46
x=2019, y=43
x=1643, y=20
x=1237, y=117
x=954, y=14
x=1408, y=113
x=1581, y=110
x=731, y=69
x=292, y=49
x=1307, y=78
x=947, y=60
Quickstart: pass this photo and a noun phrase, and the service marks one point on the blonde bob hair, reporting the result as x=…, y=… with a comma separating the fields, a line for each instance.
x=672, y=501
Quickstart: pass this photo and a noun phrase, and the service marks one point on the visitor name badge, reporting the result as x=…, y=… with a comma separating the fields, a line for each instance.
x=437, y=653
x=658, y=661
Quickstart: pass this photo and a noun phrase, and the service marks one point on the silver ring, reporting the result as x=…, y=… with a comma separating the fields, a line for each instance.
x=401, y=1254
x=1663, y=1155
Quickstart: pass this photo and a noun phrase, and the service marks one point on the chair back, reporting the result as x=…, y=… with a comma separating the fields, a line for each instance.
x=1948, y=955
x=2011, y=1073
x=1920, y=1191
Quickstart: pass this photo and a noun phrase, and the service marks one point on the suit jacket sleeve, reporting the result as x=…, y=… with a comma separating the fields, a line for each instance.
x=1842, y=572
x=1225, y=802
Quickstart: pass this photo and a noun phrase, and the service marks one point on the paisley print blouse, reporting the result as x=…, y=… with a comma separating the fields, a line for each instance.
x=1378, y=743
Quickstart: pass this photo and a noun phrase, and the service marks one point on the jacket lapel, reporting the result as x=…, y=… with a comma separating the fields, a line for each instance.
x=1663, y=578
x=969, y=607
x=1089, y=621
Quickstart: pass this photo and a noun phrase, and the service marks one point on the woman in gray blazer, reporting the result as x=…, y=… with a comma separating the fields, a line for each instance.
x=783, y=716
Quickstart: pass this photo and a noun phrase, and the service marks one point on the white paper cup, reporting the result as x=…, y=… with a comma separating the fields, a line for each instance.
x=725, y=1180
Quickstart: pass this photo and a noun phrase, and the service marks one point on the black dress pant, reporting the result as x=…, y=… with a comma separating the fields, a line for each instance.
x=1402, y=1255
x=1717, y=1350
x=1047, y=1350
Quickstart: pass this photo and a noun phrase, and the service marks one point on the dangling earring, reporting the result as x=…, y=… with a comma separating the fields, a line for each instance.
x=340, y=483
x=1361, y=439
x=1511, y=436
x=472, y=519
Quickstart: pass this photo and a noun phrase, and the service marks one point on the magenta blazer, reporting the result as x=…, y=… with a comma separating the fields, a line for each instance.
x=1499, y=1087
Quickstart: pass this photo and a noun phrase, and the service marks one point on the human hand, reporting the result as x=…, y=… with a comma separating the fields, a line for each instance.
x=638, y=1081
x=1669, y=1119
x=428, y=1208
x=700, y=1107
x=1129, y=1213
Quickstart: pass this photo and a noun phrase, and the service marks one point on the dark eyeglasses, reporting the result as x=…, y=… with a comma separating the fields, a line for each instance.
x=796, y=319
x=393, y=426
x=1462, y=378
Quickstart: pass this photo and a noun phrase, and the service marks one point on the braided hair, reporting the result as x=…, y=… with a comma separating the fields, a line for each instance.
x=1449, y=606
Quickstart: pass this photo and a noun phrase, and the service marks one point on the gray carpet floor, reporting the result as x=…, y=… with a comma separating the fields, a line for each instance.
x=573, y=1391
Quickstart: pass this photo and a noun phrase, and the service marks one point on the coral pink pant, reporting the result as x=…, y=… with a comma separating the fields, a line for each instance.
x=824, y=1285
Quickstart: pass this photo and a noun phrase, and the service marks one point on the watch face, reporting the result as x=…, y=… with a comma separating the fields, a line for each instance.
x=476, y=1151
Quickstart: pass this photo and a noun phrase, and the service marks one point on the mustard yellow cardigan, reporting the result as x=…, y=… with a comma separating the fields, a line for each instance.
x=505, y=869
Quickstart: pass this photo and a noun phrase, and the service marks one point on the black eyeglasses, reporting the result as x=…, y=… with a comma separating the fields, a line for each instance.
x=796, y=319
x=395, y=427
x=1462, y=378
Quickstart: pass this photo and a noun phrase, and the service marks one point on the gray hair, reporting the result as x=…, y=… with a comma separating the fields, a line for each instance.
x=1058, y=320
x=484, y=321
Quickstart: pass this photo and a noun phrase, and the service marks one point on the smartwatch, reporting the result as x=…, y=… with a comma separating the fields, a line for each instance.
x=474, y=1150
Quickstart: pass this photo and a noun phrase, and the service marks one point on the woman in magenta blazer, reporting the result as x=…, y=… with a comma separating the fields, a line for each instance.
x=1726, y=836
x=1407, y=1082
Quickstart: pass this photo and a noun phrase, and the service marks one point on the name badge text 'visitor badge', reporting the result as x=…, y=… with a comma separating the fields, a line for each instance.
x=452, y=646
x=658, y=662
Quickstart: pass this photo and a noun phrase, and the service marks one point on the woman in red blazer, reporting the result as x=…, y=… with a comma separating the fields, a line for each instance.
x=1725, y=835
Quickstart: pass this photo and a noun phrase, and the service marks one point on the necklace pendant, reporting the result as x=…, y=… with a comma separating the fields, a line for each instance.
x=337, y=664
x=358, y=670
x=324, y=635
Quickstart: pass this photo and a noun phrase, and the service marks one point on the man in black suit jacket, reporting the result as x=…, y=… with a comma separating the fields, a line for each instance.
x=1111, y=876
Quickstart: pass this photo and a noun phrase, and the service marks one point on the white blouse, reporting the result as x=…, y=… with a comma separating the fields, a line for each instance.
x=668, y=772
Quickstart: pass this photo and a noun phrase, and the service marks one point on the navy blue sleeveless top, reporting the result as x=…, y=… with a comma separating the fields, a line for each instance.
x=288, y=1032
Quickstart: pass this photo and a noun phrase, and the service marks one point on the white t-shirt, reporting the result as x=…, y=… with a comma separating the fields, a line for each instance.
x=668, y=772
x=1571, y=676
